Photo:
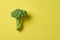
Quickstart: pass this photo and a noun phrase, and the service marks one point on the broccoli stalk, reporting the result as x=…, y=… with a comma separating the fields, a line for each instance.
x=18, y=24
x=20, y=15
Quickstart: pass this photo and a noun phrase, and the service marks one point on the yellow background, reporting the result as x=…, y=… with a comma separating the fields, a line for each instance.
x=44, y=23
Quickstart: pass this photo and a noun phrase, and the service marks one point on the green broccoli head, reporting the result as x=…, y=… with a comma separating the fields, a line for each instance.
x=18, y=13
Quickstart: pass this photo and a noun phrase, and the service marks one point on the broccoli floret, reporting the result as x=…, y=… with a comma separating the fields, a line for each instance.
x=20, y=15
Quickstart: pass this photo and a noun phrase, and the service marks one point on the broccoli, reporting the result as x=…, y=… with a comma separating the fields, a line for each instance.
x=20, y=15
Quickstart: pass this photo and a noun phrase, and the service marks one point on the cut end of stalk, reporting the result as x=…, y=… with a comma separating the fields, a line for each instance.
x=19, y=29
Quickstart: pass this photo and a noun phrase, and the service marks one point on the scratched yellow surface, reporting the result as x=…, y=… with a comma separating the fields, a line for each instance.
x=44, y=23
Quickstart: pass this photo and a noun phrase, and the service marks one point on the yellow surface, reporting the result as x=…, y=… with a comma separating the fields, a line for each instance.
x=44, y=23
